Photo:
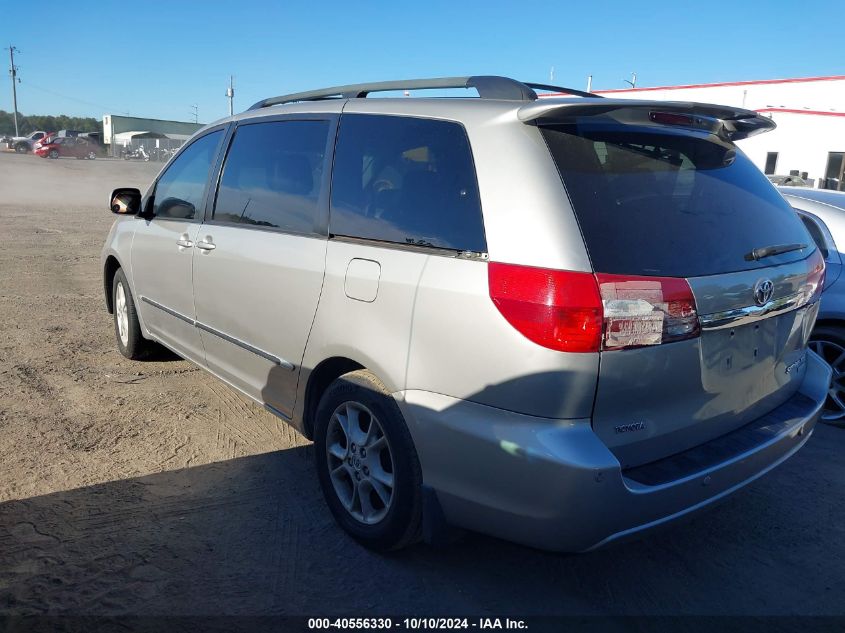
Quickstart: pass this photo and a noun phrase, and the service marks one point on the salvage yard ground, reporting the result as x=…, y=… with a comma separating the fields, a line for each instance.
x=152, y=488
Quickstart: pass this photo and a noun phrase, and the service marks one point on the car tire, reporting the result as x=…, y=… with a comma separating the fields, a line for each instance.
x=828, y=341
x=92, y=155
x=53, y=154
x=127, y=328
x=373, y=486
x=21, y=148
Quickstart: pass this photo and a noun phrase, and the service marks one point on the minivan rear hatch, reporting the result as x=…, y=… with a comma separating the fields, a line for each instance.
x=708, y=278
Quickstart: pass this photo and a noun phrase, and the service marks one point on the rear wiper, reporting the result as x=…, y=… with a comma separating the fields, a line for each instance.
x=768, y=251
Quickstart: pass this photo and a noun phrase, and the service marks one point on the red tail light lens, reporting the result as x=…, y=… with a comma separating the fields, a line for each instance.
x=815, y=279
x=641, y=311
x=671, y=118
x=581, y=312
x=557, y=309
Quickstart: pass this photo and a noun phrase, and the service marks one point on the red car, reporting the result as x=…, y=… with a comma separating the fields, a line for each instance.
x=55, y=147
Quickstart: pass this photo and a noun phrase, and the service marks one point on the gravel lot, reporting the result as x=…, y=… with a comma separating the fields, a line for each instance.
x=152, y=488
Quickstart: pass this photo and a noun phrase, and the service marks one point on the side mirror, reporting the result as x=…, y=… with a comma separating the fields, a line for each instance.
x=125, y=201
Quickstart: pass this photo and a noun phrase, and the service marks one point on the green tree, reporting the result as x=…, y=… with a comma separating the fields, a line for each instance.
x=48, y=123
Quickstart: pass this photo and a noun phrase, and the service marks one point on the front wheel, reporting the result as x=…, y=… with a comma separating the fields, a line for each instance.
x=828, y=341
x=127, y=328
x=53, y=154
x=367, y=464
x=92, y=155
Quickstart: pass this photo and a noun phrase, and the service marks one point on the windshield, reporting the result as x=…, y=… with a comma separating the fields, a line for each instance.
x=672, y=203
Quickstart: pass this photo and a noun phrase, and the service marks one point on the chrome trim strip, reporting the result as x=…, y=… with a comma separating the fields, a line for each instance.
x=231, y=339
x=172, y=313
x=250, y=348
x=278, y=413
x=750, y=314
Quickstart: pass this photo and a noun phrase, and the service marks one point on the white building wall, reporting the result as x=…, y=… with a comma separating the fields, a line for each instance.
x=802, y=140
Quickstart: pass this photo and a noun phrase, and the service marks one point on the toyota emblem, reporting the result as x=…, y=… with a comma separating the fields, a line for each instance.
x=763, y=291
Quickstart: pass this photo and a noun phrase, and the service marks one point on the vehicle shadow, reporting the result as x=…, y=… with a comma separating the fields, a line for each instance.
x=253, y=536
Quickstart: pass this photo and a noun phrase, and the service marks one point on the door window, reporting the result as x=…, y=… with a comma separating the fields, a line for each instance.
x=180, y=190
x=406, y=180
x=272, y=175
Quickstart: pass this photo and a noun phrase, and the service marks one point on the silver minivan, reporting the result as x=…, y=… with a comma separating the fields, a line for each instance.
x=560, y=320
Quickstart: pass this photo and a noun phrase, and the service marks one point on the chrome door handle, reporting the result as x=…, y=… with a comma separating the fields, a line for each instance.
x=183, y=243
x=206, y=244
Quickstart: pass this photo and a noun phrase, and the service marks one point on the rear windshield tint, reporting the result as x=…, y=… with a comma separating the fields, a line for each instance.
x=670, y=203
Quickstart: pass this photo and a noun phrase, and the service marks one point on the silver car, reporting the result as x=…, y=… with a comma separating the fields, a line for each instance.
x=559, y=321
x=823, y=213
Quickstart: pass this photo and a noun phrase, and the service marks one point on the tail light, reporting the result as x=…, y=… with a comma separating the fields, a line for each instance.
x=814, y=284
x=557, y=309
x=642, y=311
x=581, y=312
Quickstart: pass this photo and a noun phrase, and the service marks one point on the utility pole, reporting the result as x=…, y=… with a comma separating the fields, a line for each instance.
x=196, y=110
x=13, y=73
x=552, y=75
x=589, y=83
x=230, y=93
x=633, y=80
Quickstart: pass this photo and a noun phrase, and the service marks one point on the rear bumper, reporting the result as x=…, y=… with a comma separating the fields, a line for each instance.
x=553, y=484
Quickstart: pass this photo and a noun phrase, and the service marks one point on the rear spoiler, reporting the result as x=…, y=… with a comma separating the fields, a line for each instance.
x=734, y=123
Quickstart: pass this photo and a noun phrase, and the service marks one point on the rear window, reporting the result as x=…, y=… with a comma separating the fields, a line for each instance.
x=406, y=180
x=676, y=204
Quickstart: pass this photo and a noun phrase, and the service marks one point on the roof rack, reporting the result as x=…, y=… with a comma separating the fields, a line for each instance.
x=488, y=87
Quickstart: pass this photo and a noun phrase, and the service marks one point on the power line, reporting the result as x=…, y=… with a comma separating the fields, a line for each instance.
x=63, y=96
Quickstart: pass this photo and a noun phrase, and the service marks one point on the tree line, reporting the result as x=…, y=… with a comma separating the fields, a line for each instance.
x=48, y=123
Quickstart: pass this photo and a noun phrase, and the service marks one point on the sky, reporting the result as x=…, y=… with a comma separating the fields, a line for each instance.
x=158, y=59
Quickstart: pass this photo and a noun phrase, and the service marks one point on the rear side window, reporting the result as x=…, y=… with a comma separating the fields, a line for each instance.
x=816, y=233
x=272, y=175
x=179, y=192
x=670, y=203
x=406, y=180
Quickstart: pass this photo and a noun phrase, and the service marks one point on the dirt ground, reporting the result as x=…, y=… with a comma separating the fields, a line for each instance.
x=152, y=488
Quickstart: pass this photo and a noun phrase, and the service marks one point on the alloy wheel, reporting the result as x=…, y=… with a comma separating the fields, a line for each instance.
x=121, y=314
x=360, y=462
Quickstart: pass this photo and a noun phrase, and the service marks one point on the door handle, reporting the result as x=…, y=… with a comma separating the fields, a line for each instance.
x=207, y=244
x=184, y=242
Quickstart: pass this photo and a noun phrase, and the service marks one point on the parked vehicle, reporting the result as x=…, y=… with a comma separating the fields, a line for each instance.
x=66, y=146
x=823, y=213
x=24, y=144
x=136, y=154
x=558, y=321
x=787, y=181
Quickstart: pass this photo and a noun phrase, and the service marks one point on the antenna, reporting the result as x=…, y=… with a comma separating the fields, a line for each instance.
x=13, y=74
x=230, y=94
x=633, y=80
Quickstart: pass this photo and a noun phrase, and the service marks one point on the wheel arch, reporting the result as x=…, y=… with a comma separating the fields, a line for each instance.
x=829, y=322
x=319, y=379
x=110, y=268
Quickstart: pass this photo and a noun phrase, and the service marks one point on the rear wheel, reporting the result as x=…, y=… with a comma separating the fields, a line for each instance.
x=828, y=341
x=127, y=328
x=53, y=154
x=367, y=463
x=21, y=148
x=92, y=155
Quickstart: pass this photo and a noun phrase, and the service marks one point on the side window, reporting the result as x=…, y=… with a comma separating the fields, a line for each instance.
x=179, y=191
x=272, y=175
x=406, y=180
x=816, y=233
